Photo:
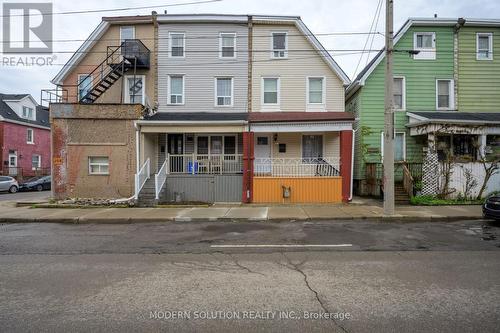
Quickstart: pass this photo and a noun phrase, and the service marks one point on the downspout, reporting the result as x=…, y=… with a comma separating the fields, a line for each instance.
x=460, y=23
x=352, y=161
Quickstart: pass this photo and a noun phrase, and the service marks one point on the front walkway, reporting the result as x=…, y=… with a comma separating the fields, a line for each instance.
x=371, y=211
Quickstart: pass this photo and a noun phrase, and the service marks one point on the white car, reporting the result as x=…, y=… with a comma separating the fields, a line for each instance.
x=8, y=184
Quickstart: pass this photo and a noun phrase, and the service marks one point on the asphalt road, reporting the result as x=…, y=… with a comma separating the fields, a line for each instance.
x=418, y=277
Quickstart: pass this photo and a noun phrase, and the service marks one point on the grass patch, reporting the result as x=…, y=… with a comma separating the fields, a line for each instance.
x=430, y=200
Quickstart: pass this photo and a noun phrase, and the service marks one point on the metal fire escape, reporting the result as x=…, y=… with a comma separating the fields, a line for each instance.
x=130, y=56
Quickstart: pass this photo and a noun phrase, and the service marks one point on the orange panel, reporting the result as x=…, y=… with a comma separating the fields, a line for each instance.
x=303, y=189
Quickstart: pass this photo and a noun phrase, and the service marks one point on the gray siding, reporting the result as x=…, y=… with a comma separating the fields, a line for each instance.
x=203, y=188
x=201, y=65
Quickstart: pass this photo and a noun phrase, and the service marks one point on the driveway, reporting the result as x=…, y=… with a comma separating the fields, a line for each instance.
x=25, y=196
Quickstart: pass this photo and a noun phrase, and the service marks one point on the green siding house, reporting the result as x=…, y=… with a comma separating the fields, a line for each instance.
x=446, y=102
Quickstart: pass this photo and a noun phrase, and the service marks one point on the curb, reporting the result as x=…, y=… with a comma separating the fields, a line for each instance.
x=132, y=220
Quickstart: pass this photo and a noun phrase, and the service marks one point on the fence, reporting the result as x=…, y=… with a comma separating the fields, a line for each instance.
x=205, y=163
x=297, y=167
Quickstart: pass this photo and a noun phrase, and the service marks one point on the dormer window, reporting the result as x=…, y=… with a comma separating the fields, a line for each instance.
x=27, y=113
x=425, y=44
x=279, y=45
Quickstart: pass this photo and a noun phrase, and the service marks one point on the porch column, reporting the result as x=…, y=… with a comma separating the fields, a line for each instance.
x=248, y=157
x=346, y=163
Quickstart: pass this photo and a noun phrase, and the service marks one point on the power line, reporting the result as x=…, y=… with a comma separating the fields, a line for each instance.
x=91, y=11
x=198, y=37
x=375, y=28
x=218, y=51
x=379, y=3
x=232, y=62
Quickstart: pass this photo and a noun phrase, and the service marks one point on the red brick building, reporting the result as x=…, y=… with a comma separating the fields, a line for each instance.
x=24, y=137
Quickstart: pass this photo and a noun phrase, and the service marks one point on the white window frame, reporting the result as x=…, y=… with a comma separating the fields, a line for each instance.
x=28, y=141
x=490, y=45
x=286, y=45
x=126, y=95
x=426, y=53
x=39, y=164
x=78, y=83
x=382, y=145
x=169, y=86
x=14, y=157
x=451, y=89
x=121, y=32
x=28, y=111
x=233, y=34
x=278, y=100
x=183, y=44
x=99, y=164
x=323, y=143
x=232, y=92
x=316, y=106
x=403, y=104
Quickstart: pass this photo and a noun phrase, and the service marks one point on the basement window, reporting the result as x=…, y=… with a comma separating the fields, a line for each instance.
x=98, y=165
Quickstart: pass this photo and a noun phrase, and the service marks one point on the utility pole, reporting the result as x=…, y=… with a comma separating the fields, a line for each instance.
x=389, y=113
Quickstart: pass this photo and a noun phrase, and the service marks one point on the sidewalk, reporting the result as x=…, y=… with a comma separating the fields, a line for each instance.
x=369, y=211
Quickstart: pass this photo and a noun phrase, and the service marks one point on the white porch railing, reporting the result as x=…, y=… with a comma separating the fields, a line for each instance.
x=205, y=163
x=160, y=179
x=142, y=176
x=297, y=167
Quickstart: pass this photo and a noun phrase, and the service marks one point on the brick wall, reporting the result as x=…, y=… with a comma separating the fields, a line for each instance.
x=14, y=137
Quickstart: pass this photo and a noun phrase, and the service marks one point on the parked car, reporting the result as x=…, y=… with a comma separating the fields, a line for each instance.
x=8, y=184
x=491, y=207
x=36, y=184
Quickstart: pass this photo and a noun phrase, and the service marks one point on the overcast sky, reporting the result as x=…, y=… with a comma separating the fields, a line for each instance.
x=321, y=16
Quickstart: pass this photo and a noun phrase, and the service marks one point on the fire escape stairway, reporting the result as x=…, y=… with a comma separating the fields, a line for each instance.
x=115, y=73
x=131, y=55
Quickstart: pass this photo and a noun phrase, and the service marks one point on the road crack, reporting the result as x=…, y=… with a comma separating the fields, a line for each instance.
x=296, y=267
x=237, y=263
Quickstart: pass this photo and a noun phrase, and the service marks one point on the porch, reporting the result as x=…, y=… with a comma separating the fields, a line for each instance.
x=301, y=157
x=459, y=147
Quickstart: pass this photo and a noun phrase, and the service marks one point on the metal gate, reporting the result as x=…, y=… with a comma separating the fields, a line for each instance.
x=203, y=188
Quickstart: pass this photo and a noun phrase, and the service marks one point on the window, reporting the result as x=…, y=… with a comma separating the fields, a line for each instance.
x=98, y=165
x=444, y=94
x=270, y=89
x=202, y=146
x=126, y=33
x=282, y=148
x=27, y=113
x=177, y=44
x=492, y=150
x=36, y=162
x=399, y=146
x=312, y=147
x=176, y=88
x=29, y=136
x=425, y=43
x=399, y=93
x=134, y=89
x=229, y=145
x=484, y=46
x=224, y=91
x=279, y=45
x=216, y=145
x=227, y=45
x=316, y=88
x=84, y=85
x=262, y=140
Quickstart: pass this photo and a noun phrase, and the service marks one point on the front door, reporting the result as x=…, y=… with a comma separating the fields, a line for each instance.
x=175, y=144
x=13, y=164
x=262, y=154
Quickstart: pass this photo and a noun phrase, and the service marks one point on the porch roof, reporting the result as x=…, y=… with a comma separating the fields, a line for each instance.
x=263, y=117
x=198, y=116
x=453, y=121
